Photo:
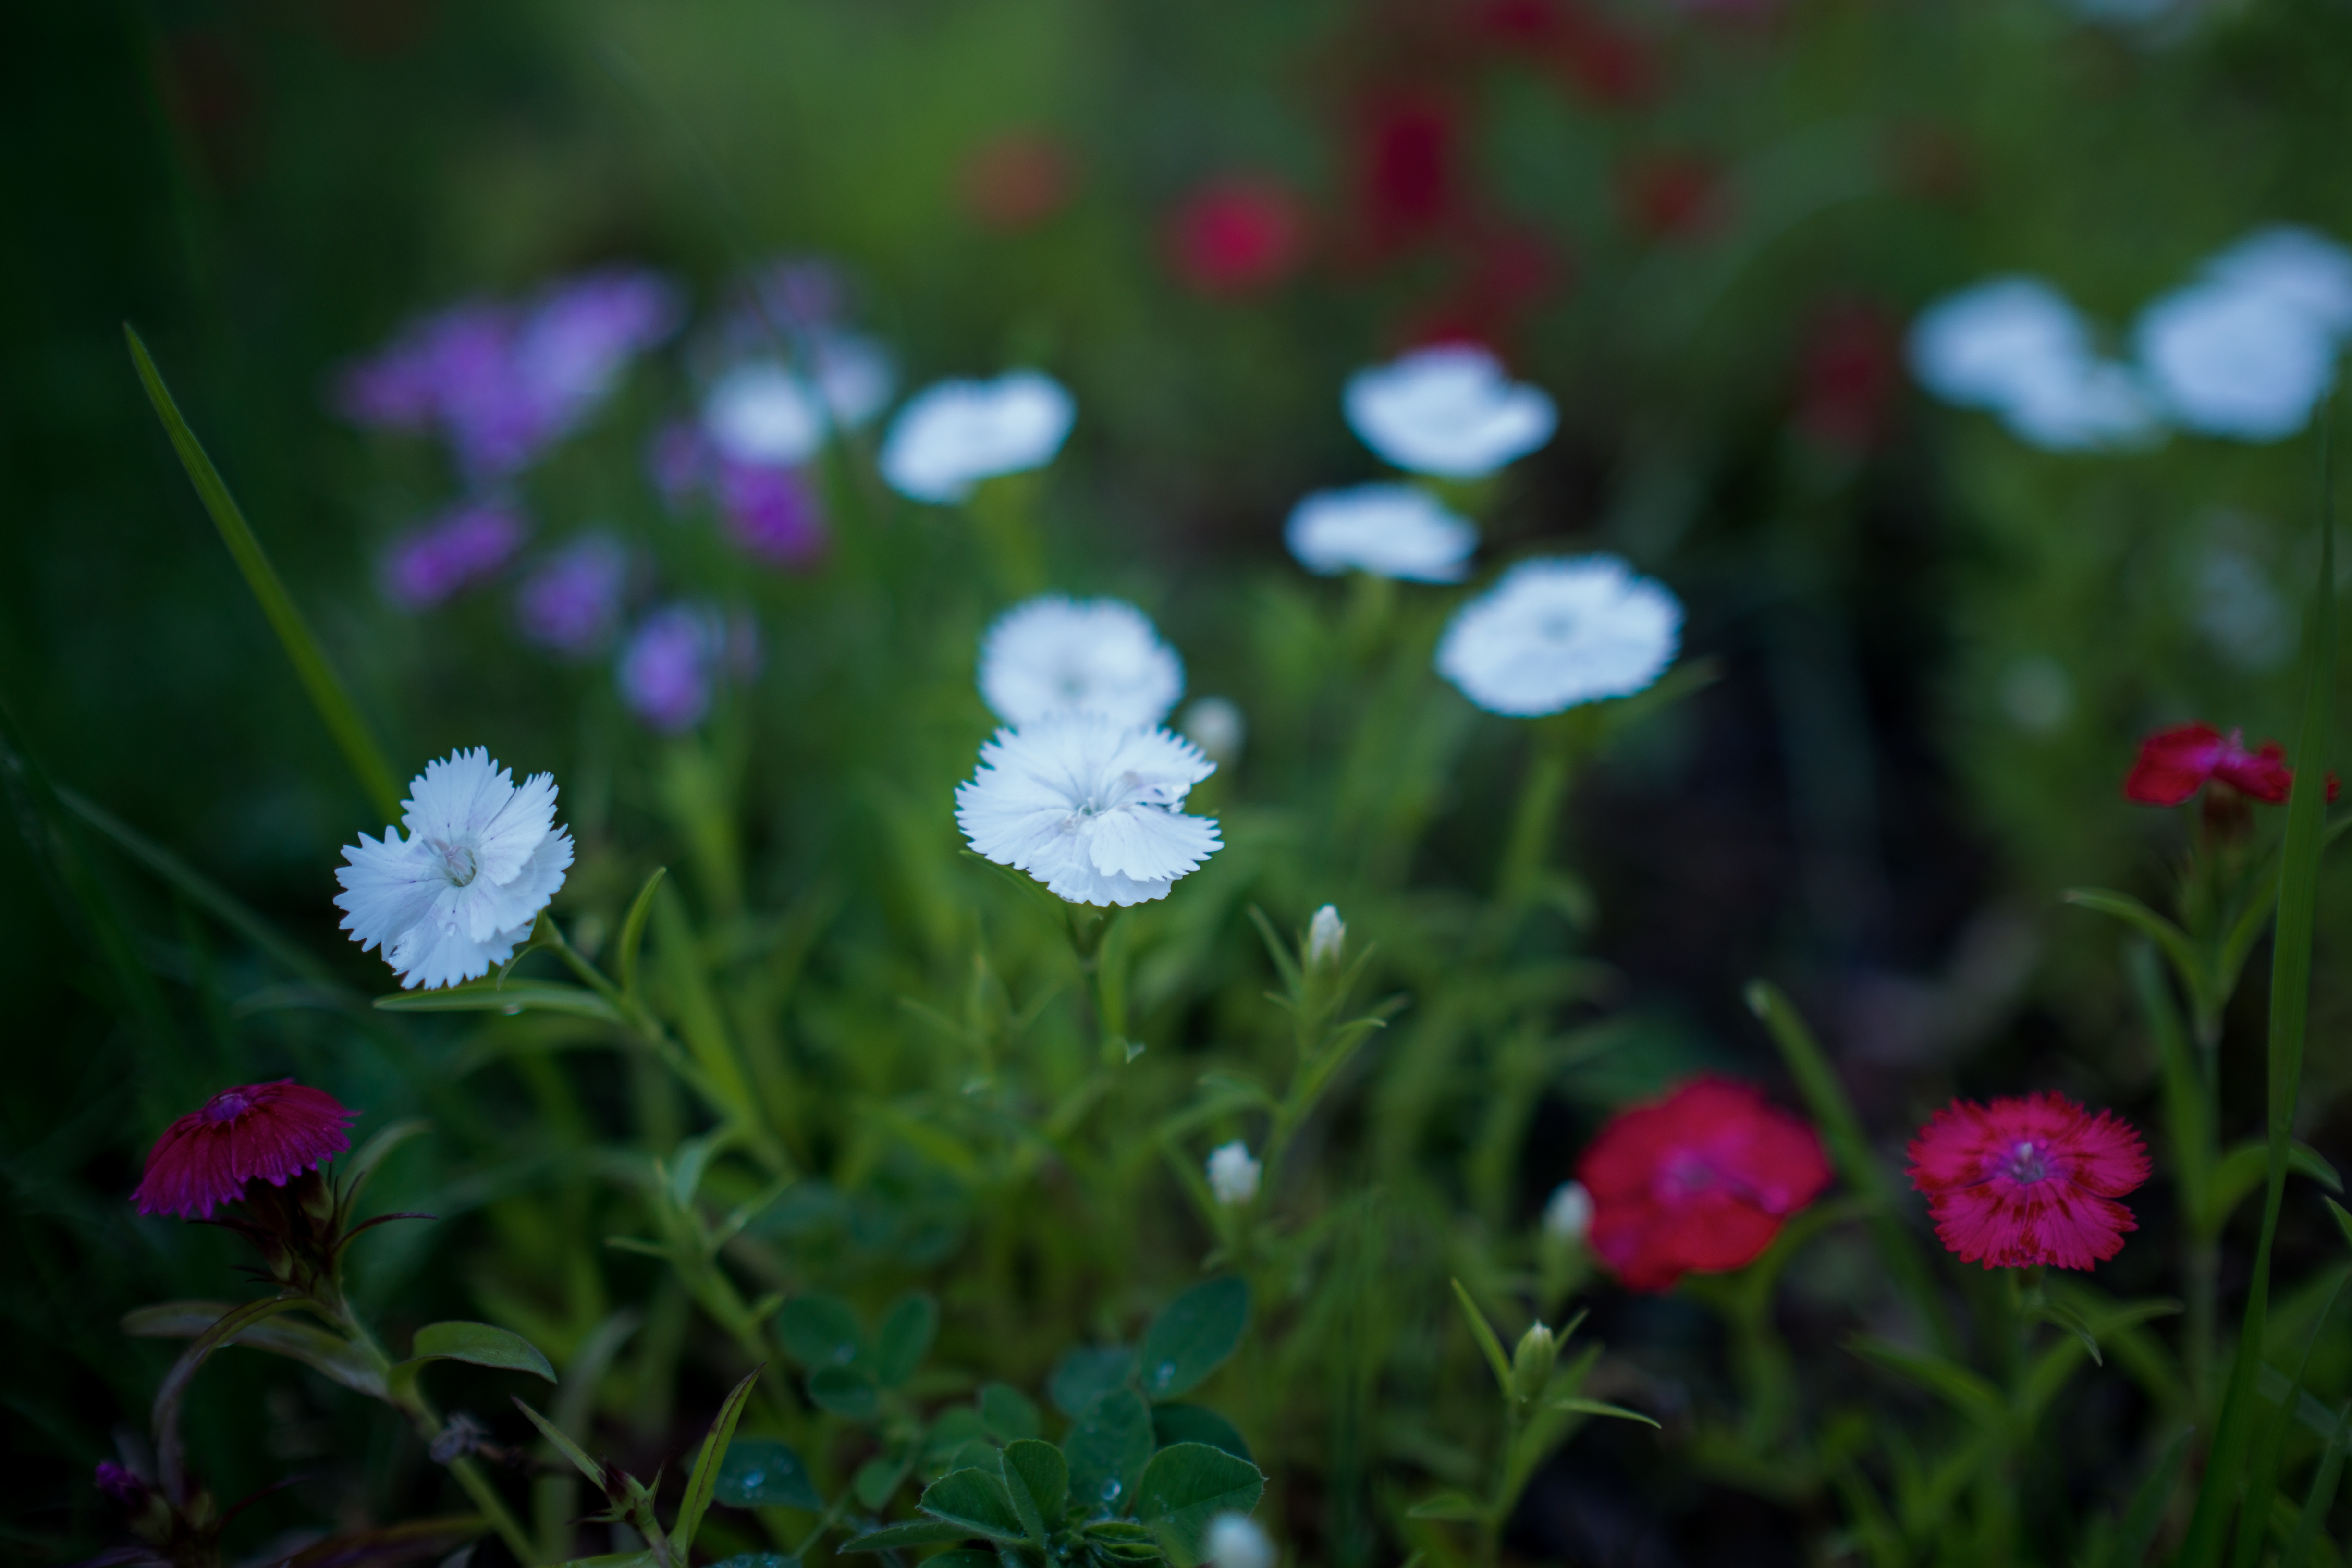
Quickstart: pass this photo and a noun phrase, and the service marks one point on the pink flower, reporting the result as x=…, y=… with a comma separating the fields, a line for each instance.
x=1237, y=235
x=261, y=1132
x=2027, y=1180
x=1699, y=1182
x=2174, y=763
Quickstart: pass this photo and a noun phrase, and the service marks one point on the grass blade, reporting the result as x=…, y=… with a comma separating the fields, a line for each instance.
x=319, y=678
x=2148, y=1504
x=704, y=1482
x=2321, y=1497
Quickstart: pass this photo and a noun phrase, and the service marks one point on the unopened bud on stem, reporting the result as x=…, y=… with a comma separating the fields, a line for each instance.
x=1327, y=937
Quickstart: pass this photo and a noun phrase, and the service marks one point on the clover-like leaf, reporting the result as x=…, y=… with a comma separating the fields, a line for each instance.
x=1193, y=1336
x=1186, y=1486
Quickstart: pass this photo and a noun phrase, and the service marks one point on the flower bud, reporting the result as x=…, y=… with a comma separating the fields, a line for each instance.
x=1216, y=726
x=1326, y=935
x=1233, y=1175
x=1568, y=1215
x=1531, y=1362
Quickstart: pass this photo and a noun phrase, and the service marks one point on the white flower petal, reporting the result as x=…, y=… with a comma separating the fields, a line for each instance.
x=1389, y=530
x=1449, y=411
x=953, y=434
x=1058, y=655
x=1150, y=843
x=1555, y=633
x=1087, y=807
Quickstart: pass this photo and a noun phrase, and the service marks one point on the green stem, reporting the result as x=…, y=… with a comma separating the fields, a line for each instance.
x=1527, y=851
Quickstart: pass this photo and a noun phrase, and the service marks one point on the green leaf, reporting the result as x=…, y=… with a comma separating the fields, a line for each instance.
x=2154, y=926
x=322, y=1349
x=918, y=1532
x=957, y=1427
x=1086, y=1374
x=319, y=680
x=633, y=931
x=1193, y=1336
x=702, y=1482
x=906, y=1338
x=761, y=1472
x=1107, y=1447
x=481, y=1345
x=515, y=996
x=1185, y=1487
x=1457, y=1507
x=565, y=1446
x=976, y=1501
x=821, y=1331
x=1484, y=1332
x=876, y=1481
x=1172, y=1423
x=964, y=1557
x=2146, y=1512
x=1038, y=1478
x=762, y=1559
x=1007, y=1413
x=846, y=1391
x=1964, y=1390
x=360, y=1167
x=2320, y=1499
x=1595, y=1408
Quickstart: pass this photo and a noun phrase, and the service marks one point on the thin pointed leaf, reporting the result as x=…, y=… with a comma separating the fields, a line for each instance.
x=896, y=1537
x=1596, y=1408
x=319, y=678
x=2187, y=1116
x=2152, y=925
x=1484, y=1334
x=633, y=931
x=1278, y=949
x=2318, y=1502
x=1964, y=1390
x=565, y=1447
x=1458, y=1507
x=2148, y=1504
x=702, y=1482
x=479, y=1345
x=2261, y=1477
x=321, y=1349
x=515, y=996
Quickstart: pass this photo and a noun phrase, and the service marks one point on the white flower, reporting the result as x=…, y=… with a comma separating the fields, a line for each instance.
x=1449, y=411
x=2249, y=348
x=2015, y=346
x=1568, y=1215
x=1233, y=1175
x=1054, y=654
x=1389, y=530
x=1089, y=808
x=1217, y=726
x=954, y=434
x=1237, y=1541
x=854, y=374
x=1326, y=935
x=1555, y=633
x=763, y=412
x=482, y=857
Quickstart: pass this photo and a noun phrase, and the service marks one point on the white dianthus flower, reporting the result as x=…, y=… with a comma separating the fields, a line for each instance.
x=1554, y=633
x=2238, y=360
x=954, y=434
x=1090, y=807
x=1237, y=1541
x=760, y=411
x=1054, y=654
x=482, y=857
x=1388, y=530
x=1327, y=937
x=1568, y=1215
x=1449, y=411
x=2295, y=265
x=2017, y=347
x=1233, y=1174
x=1216, y=725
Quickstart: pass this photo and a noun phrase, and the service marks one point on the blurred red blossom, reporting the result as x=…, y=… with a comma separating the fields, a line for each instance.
x=1238, y=235
x=1671, y=195
x=1699, y=1182
x=2174, y=765
x=1849, y=372
x=1505, y=273
x=259, y=1131
x=2029, y=1181
x=1600, y=59
x=1016, y=180
x=1407, y=144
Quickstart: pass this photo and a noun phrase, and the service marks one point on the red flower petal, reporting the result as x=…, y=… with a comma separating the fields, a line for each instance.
x=266, y=1132
x=2028, y=1181
x=2262, y=775
x=2173, y=764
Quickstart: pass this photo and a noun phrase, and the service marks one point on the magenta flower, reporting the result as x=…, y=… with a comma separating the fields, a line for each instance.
x=2028, y=1181
x=571, y=600
x=433, y=562
x=261, y=1132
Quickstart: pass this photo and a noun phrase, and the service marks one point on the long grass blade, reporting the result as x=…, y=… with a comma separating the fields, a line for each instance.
x=319, y=678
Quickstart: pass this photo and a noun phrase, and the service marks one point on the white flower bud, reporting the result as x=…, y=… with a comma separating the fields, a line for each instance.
x=1216, y=726
x=1568, y=1215
x=1326, y=935
x=1236, y=1541
x=1233, y=1175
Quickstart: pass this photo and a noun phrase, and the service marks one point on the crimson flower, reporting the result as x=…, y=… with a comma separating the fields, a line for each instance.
x=1407, y=146
x=1237, y=235
x=1699, y=1182
x=2027, y=1180
x=261, y=1132
x=2174, y=763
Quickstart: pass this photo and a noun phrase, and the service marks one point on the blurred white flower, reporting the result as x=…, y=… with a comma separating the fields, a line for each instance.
x=1233, y=1175
x=1054, y=654
x=760, y=411
x=855, y=375
x=1090, y=807
x=1554, y=633
x=2295, y=266
x=482, y=857
x=2237, y=360
x=1236, y=1541
x=1449, y=411
x=1217, y=726
x=1326, y=936
x=1389, y=530
x=1569, y=1214
x=2015, y=346
x=954, y=434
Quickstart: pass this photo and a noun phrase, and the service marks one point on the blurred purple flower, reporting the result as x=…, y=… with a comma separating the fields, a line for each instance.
x=502, y=382
x=674, y=661
x=439, y=559
x=770, y=513
x=679, y=460
x=571, y=600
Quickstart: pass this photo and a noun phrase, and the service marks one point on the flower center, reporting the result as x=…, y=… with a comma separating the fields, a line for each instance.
x=2024, y=1164
x=1557, y=627
x=227, y=1105
x=456, y=862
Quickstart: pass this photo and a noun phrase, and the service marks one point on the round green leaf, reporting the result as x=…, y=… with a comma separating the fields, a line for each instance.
x=760, y=1472
x=1009, y=1413
x=1174, y=1424
x=975, y=1500
x=1193, y=1336
x=820, y=1330
x=1086, y=1373
x=845, y=1391
x=906, y=1338
x=1107, y=1448
x=1186, y=1486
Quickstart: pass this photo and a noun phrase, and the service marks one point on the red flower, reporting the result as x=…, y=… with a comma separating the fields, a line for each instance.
x=1406, y=149
x=1017, y=181
x=1237, y=235
x=2021, y=1182
x=1696, y=1183
x=262, y=1131
x=2174, y=763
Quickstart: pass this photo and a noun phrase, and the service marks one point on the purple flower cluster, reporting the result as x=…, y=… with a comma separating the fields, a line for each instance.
x=501, y=383
x=571, y=600
x=766, y=510
x=434, y=562
x=673, y=663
